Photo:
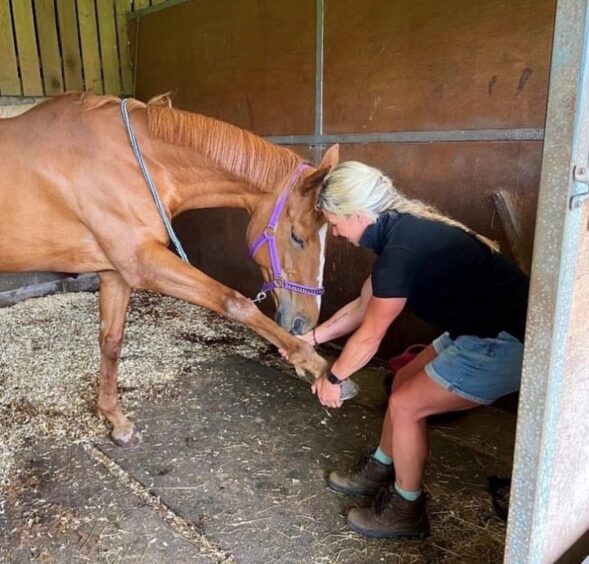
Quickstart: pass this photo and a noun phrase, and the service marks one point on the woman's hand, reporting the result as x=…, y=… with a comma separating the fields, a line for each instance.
x=329, y=394
x=307, y=337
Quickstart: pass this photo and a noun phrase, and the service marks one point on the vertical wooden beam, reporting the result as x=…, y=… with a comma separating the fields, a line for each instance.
x=122, y=8
x=133, y=35
x=26, y=43
x=89, y=44
x=9, y=81
x=109, y=51
x=70, y=45
x=49, y=46
x=505, y=209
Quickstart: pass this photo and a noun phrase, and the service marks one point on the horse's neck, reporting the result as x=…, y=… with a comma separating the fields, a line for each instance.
x=199, y=183
x=227, y=166
x=218, y=193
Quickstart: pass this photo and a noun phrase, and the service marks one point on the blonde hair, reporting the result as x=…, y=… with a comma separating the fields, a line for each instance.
x=355, y=188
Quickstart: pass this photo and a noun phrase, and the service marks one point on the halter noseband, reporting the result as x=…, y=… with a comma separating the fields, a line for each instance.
x=268, y=237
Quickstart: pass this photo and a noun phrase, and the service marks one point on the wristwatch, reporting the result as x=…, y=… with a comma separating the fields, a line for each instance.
x=331, y=377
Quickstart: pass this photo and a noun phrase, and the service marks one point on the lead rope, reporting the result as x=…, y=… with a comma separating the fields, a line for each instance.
x=148, y=180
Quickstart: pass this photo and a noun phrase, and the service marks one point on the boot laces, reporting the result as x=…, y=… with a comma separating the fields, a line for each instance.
x=382, y=500
x=363, y=460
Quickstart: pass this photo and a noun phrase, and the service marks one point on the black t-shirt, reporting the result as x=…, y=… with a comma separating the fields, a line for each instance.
x=450, y=278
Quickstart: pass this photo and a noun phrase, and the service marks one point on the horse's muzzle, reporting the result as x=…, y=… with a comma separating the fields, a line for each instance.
x=296, y=325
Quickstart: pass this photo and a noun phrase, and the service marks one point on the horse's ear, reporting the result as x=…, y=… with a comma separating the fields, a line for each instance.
x=329, y=160
x=313, y=181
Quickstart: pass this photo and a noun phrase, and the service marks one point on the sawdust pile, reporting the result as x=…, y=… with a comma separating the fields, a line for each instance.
x=49, y=362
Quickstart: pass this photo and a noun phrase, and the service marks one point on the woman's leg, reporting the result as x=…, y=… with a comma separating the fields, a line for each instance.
x=414, y=400
x=394, y=513
x=409, y=370
x=477, y=371
x=369, y=475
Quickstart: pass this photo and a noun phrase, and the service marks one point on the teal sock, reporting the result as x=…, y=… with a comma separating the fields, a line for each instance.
x=382, y=457
x=407, y=494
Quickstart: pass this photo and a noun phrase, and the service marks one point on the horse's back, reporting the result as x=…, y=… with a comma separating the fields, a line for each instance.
x=40, y=181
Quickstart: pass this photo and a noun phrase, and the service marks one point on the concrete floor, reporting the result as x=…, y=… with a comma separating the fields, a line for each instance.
x=233, y=468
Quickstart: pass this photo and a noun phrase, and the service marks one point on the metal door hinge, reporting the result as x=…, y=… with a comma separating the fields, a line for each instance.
x=581, y=175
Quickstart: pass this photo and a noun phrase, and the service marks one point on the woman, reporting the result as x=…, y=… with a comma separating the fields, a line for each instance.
x=449, y=276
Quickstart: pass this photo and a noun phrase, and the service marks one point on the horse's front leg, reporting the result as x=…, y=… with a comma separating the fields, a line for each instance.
x=114, y=299
x=161, y=270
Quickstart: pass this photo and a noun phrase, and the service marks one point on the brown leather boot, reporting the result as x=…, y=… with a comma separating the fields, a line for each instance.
x=391, y=516
x=367, y=476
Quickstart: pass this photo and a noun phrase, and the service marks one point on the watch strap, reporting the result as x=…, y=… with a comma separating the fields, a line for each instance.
x=331, y=377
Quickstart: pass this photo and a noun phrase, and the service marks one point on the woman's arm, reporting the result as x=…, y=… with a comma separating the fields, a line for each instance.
x=343, y=321
x=364, y=343
x=360, y=347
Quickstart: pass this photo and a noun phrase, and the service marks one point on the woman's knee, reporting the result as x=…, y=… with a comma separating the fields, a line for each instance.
x=403, y=406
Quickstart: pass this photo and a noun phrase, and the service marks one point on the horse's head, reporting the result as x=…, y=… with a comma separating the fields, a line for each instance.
x=299, y=235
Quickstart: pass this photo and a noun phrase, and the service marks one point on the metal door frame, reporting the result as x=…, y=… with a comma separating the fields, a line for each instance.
x=563, y=189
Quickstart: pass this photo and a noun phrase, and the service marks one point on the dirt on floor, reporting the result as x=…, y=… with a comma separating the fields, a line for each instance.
x=234, y=453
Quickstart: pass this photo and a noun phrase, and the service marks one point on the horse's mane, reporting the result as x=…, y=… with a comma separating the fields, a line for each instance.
x=239, y=152
x=236, y=150
x=91, y=101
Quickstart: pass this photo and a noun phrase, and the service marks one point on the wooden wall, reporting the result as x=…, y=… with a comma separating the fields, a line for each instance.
x=52, y=46
x=247, y=62
x=456, y=91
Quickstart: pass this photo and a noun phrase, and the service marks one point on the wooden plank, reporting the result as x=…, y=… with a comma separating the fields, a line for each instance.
x=212, y=45
x=505, y=209
x=89, y=44
x=437, y=66
x=140, y=4
x=26, y=44
x=133, y=34
x=49, y=46
x=9, y=81
x=122, y=8
x=154, y=2
x=109, y=51
x=70, y=45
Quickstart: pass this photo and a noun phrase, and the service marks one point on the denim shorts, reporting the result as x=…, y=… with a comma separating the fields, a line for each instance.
x=475, y=368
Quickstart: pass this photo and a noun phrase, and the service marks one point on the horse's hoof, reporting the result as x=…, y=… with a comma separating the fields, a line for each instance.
x=127, y=440
x=304, y=375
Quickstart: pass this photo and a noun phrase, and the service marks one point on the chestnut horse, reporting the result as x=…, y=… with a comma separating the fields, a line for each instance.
x=73, y=199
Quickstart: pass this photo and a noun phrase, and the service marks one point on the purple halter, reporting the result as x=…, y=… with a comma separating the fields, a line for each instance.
x=268, y=236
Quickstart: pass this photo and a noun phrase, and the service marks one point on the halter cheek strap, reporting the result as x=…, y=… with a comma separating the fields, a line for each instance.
x=268, y=237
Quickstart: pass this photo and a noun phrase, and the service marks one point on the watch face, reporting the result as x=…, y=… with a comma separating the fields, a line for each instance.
x=333, y=378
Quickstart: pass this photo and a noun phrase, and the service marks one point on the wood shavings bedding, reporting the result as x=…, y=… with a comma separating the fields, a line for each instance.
x=49, y=362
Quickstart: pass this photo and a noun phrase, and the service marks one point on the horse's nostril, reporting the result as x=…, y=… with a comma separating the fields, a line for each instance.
x=298, y=326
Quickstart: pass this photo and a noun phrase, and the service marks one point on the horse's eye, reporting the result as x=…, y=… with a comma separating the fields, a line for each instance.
x=295, y=240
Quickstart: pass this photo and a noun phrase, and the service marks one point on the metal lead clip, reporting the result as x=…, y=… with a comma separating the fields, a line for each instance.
x=260, y=297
